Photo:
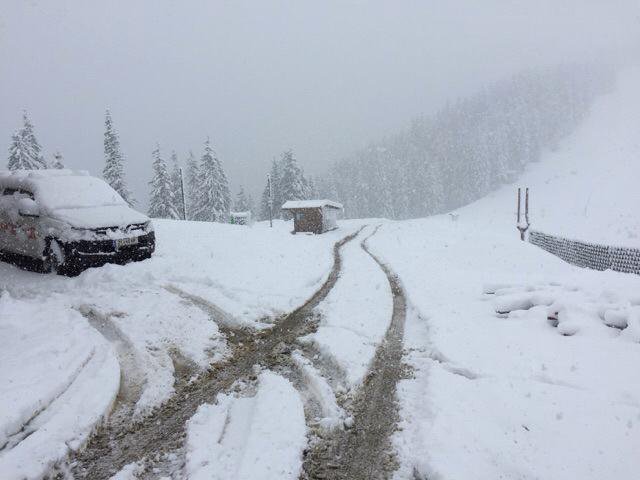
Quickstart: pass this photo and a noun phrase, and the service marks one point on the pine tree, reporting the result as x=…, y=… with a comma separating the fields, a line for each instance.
x=213, y=199
x=18, y=154
x=161, y=201
x=176, y=185
x=113, y=172
x=191, y=184
x=25, y=151
x=293, y=185
x=223, y=201
x=58, y=162
x=265, y=206
x=274, y=179
x=243, y=201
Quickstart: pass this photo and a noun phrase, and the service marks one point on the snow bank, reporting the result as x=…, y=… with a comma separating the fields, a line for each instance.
x=249, y=437
x=59, y=378
x=154, y=329
x=355, y=314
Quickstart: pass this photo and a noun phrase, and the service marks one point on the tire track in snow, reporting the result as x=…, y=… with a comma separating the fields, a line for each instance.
x=161, y=435
x=39, y=416
x=364, y=451
x=132, y=378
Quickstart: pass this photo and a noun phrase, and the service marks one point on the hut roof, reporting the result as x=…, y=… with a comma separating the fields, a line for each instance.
x=240, y=214
x=295, y=204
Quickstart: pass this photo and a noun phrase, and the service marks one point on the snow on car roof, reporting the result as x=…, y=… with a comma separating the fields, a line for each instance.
x=59, y=189
x=24, y=178
x=293, y=204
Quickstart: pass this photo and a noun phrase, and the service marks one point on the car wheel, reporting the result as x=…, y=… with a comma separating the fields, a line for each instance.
x=52, y=258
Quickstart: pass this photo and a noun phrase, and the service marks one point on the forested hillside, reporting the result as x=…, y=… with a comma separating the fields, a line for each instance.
x=468, y=148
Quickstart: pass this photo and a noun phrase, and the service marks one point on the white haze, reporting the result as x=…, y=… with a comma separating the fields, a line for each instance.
x=322, y=78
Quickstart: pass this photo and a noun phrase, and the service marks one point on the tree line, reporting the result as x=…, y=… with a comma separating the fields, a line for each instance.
x=468, y=148
x=200, y=191
x=441, y=162
x=286, y=181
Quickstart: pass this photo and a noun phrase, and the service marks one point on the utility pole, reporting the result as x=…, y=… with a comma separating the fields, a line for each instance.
x=184, y=203
x=270, y=201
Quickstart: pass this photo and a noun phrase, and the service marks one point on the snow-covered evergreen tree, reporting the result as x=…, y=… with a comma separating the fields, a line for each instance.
x=293, y=185
x=312, y=188
x=213, y=198
x=113, y=172
x=274, y=179
x=264, y=204
x=191, y=182
x=176, y=185
x=224, y=201
x=58, y=161
x=25, y=151
x=244, y=202
x=469, y=147
x=18, y=154
x=161, y=200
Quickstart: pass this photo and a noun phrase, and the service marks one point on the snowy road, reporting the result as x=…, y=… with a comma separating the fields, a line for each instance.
x=364, y=449
x=157, y=446
x=115, y=336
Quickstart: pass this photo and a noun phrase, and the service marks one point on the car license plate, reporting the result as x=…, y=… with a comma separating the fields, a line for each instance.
x=124, y=242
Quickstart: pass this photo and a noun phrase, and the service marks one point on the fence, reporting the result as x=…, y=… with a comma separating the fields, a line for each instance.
x=589, y=255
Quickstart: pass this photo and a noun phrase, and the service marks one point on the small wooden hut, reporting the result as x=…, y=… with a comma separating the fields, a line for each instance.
x=315, y=216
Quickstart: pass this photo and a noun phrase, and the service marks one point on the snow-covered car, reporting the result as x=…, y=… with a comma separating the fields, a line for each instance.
x=65, y=221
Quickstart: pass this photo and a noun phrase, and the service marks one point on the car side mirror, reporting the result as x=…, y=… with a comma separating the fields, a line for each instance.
x=27, y=207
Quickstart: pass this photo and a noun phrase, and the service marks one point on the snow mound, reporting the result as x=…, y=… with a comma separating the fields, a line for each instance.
x=59, y=379
x=251, y=437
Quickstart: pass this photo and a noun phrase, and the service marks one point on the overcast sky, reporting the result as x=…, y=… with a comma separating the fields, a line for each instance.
x=321, y=77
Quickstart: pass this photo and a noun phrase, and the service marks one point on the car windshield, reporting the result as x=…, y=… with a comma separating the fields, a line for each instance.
x=76, y=192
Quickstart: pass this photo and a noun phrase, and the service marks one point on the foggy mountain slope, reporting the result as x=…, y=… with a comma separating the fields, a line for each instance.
x=469, y=148
x=587, y=188
x=499, y=389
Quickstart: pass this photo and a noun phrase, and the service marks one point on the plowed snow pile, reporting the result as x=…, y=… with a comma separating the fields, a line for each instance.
x=258, y=436
x=527, y=367
x=58, y=377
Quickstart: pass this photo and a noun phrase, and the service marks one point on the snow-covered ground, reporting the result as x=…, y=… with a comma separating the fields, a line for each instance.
x=355, y=315
x=512, y=395
x=58, y=378
x=260, y=435
x=66, y=340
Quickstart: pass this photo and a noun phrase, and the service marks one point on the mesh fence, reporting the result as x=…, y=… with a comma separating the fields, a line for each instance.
x=589, y=255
